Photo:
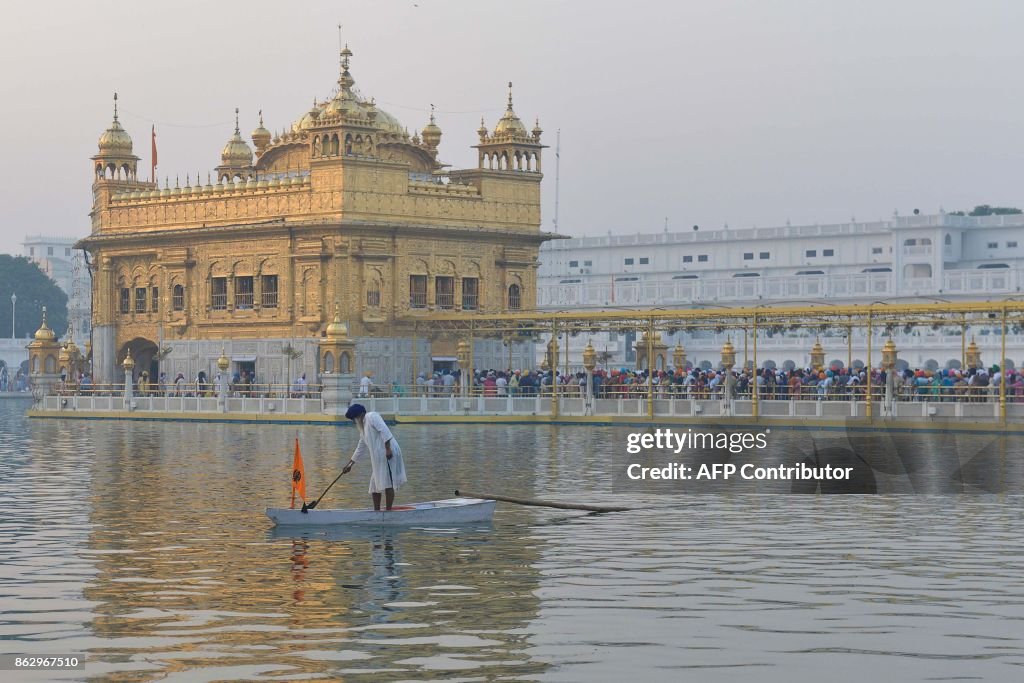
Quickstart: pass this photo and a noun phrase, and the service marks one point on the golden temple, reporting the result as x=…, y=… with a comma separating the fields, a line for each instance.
x=342, y=209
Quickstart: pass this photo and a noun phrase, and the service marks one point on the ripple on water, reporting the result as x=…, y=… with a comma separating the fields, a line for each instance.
x=143, y=546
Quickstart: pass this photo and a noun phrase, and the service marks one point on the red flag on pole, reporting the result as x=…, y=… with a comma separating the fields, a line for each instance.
x=152, y=170
x=298, y=475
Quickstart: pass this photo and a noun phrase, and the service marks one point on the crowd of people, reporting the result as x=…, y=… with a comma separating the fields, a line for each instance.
x=19, y=382
x=835, y=384
x=975, y=384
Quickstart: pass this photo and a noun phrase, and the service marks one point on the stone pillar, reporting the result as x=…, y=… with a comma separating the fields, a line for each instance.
x=337, y=393
x=889, y=363
x=222, y=386
x=129, y=366
x=462, y=353
x=338, y=380
x=589, y=363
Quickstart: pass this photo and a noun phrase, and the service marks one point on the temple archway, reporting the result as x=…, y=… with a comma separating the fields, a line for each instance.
x=144, y=354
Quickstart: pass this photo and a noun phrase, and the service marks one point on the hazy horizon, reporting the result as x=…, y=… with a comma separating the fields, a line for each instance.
x=746, y=113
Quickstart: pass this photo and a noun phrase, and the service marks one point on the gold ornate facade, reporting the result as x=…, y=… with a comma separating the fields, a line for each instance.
x=344, y=208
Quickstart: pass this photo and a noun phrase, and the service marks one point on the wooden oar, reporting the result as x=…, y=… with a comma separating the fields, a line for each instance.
x=543, y=503
x=306, y=507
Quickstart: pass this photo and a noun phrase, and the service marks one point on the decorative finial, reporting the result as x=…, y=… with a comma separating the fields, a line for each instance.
x=432, y=113
x=261, y=118
x=510, y=95
x=115, y=106
x=177, y=182
x=167, y=182
x=237, y=132
x=44, y=319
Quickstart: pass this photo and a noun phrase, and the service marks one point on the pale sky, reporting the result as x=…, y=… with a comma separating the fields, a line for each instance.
x=705, y=112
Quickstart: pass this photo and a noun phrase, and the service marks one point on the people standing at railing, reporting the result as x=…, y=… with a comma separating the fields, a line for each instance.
x=513, y=384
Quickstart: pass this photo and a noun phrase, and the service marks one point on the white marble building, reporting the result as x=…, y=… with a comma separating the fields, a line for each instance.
x=939, y=257
x=65, y=265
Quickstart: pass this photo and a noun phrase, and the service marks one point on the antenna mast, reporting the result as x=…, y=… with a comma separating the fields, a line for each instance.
x=558, y=159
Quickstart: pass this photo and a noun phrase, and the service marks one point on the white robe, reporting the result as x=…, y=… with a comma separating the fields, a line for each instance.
x=373, y=434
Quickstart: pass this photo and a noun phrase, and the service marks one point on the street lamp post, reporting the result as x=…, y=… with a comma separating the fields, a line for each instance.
x=14, y=300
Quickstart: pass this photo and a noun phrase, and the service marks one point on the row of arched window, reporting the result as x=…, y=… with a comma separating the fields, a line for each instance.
x=330, y=145
x=502, y=161
x=114, y=172
x=147, y=299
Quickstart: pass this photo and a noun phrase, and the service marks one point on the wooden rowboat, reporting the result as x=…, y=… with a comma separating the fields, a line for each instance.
x=434, y=513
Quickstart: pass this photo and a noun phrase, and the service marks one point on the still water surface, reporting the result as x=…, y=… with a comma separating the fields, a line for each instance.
x=143, y=547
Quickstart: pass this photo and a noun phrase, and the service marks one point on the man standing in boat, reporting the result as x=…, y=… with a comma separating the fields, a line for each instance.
x=377, y=441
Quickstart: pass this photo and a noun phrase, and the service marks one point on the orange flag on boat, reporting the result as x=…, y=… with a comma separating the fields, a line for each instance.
x=298, y=475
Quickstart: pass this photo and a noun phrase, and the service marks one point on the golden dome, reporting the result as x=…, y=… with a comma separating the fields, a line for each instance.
x=44, y=333
x=115, y=140
x=431, y=131
x=337, y=329
x=350, y=104
x=509, y=124
x=236, y=152
x=308, y=120
x=260, y=135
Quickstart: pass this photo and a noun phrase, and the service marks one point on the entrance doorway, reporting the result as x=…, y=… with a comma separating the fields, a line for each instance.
x=442, y=363
x=243, y=375
x=147, y=366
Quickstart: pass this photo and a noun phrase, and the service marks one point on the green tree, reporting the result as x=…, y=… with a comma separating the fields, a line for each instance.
x=34, y=290
x=986, y=210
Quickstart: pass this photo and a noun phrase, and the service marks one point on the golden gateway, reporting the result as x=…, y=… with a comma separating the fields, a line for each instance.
x=344, y=210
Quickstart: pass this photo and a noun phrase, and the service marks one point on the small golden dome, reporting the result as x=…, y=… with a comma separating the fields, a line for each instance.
x=337, y=329
x=510, y=123
x=482, y=130
x=44, y=333
x=537, y=130
x=260, y=135
x=128, y=363
x=308, y=120
x=115, y=140
x=237, y=151
x=431, y=131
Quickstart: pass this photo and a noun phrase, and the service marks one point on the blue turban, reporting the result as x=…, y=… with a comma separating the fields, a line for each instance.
x=354, y=411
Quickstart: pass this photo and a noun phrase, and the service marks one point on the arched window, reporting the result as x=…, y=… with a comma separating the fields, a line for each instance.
x=178, y=298
x=514, y=298
x=949, y=240
x=328, y=362
x=316, y=146
x=334, y=144
x=344, y=363
x=35, y=365
x=373, y=293
x=926, y=241
x=51, y=365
